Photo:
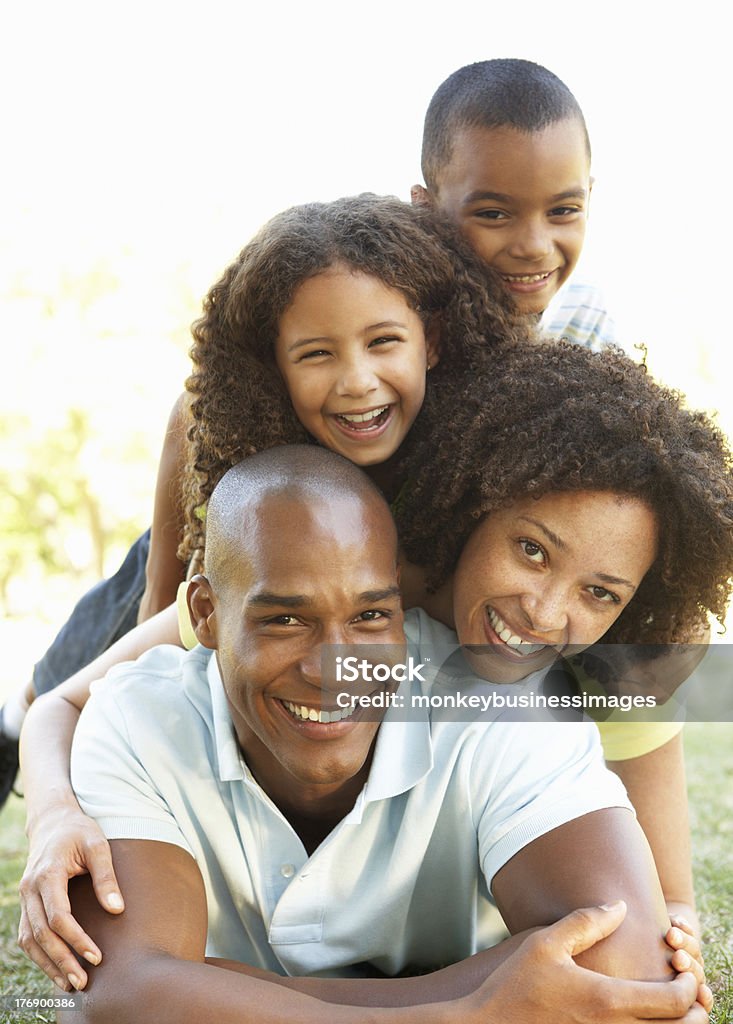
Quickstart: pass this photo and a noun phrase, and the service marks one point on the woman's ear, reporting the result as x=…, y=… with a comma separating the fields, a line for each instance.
x=202, y=609
x=432, y=339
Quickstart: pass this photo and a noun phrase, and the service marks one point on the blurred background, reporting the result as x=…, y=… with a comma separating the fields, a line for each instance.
x=144, y=143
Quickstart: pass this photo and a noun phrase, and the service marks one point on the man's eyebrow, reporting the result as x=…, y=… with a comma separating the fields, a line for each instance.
x=266, y=598
x=370, y=327
x=374, y=596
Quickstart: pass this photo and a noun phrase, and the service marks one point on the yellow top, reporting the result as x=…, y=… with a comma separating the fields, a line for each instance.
x=621, y=739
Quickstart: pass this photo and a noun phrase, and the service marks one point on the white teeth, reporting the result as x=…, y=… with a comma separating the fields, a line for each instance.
x=363, y=417
x=516, y=643
x=312, y=715
x=526, y=278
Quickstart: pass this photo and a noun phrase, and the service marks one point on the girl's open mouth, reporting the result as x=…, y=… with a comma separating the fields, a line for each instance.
x=364, y=425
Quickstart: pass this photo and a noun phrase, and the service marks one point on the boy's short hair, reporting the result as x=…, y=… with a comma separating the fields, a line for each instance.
x=506, y=92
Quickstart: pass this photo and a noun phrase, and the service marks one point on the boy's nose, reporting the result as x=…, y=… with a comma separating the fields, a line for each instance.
x=531, y=241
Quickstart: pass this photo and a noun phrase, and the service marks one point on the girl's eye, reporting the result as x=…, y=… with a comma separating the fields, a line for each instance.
x=534, y=551
x=384, y=340
x=606, y=596
x=315, y=353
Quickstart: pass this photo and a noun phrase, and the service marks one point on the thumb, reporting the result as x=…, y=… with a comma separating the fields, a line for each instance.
x=104, y=880
x=584, y=928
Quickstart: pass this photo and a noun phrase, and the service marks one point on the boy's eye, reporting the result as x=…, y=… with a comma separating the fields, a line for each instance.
x=534, y=551
x=606, y=596
x=491, y=214
x=565, y=211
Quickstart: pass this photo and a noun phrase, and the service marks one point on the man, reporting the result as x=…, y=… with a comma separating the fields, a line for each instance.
x=256, y=823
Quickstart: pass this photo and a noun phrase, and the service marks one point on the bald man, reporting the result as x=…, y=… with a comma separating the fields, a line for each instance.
x=278, y=851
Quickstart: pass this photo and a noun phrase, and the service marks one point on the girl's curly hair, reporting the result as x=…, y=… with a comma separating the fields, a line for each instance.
x=239, y=402
x=557, y=417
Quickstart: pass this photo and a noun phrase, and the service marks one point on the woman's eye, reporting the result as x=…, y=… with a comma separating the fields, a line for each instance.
x=532, y=550
x=606, y=596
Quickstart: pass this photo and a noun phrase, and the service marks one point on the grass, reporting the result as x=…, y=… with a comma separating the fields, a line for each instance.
x=709, y=754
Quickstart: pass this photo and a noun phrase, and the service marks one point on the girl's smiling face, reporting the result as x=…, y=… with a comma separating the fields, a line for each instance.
x=548, y=574
x=353, y=356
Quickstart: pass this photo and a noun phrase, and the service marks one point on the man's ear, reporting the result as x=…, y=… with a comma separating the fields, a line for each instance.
x=432, y=339
x=420, y=196
x=201, y=608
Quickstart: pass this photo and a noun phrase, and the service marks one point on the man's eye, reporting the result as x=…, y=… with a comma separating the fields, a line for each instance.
x=373, y=615
x=283, y=620
x=606, y=596
x=532, y=550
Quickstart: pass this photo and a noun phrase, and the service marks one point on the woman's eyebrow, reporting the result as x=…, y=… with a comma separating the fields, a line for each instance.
x=553, y=537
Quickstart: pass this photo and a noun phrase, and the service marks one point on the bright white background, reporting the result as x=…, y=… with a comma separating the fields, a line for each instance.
x=144, y=142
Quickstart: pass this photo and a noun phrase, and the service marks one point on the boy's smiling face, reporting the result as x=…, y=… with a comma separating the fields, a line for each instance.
x=521, y=200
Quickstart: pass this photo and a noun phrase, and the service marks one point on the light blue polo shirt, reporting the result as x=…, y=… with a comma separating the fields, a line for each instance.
x=403, y=880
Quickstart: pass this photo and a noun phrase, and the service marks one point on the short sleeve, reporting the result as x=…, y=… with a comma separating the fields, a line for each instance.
x=112, y=784
x=545, y=775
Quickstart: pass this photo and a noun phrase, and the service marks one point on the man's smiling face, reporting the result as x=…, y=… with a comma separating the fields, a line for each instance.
x=308, y=572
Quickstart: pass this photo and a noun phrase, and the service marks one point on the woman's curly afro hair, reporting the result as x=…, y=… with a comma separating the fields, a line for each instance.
x=239, y=402
x=557, y=418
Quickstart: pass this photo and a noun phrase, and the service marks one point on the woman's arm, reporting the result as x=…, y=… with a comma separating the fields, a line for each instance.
x=164, y=570
x=657, y=788
x=64, y=842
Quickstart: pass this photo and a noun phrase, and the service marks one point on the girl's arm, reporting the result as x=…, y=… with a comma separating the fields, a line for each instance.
x=64, y=842
x=164, y=570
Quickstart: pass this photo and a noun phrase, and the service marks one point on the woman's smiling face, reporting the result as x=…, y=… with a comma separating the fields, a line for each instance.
x=548, y=574
x=353, y=356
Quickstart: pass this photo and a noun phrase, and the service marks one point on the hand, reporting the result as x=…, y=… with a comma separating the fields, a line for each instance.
x=688, y=956
x=541, y=981
x=64, y=845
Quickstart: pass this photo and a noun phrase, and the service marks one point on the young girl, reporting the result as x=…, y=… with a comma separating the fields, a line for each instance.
x=410, y=295
x=556, y=462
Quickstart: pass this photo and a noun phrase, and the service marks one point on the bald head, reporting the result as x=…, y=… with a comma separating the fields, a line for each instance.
x=312, y=481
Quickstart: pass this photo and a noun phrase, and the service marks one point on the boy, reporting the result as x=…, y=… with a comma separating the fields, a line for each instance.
x=506, y=156
x=285, y=845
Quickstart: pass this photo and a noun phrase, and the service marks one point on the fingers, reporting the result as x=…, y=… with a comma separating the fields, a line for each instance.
x=682, y=961
x=653, y=1001
x=584, y=928
x=52, y=956
x=104, y=880
x=684, y=938
x=44, y=932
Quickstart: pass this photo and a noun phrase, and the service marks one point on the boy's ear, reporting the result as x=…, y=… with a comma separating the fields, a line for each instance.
x=432, y=339
x=420, y=196
x=200, y=600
